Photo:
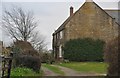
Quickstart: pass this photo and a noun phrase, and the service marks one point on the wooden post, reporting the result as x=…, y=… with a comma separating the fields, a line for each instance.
x=3, y=66
x=10, y=65
x=7, y=61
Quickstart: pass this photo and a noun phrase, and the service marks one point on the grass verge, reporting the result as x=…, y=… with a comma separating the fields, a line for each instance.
x=17, y=72
x=54, y=69
x=87, y=67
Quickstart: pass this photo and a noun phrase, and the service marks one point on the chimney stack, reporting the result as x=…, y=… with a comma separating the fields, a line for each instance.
x=89, y=0
x=71, y=11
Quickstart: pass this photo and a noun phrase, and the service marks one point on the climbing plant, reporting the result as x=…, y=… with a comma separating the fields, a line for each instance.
x=85, y=49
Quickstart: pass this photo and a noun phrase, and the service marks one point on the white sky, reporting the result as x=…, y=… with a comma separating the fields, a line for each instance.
x=50, y=13
x=56, y=0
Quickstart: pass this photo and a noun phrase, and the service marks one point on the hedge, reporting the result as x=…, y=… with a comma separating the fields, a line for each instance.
x=28, y=61
x=85, y=49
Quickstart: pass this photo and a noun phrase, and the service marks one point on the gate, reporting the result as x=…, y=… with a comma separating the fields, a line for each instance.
x=6, y=66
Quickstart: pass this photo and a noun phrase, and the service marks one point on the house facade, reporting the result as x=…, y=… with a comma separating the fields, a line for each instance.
x=89, y=21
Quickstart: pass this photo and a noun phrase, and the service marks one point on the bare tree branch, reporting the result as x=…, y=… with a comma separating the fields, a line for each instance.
x=20, y=25
x=38, y=41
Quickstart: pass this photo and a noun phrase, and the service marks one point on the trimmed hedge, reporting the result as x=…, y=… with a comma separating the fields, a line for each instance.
x=28, y=61
x=85, y=49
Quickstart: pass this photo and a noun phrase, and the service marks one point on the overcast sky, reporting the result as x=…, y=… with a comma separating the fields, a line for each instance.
x=50, y=13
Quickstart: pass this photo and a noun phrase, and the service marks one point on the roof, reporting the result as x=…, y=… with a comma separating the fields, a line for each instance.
x=23, y=45
x=66, y=21
x=63, y=25
x=113, y=13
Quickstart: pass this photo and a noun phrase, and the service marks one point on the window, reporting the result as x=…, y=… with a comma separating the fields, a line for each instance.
x=61, y=34
x=60, y=51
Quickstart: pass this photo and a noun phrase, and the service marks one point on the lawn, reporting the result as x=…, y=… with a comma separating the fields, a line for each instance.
x=53, y=68
x=87, y=67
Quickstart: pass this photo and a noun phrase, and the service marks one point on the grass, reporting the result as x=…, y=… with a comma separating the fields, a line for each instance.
x=24, y=72
x=53, y=68
x=87, y=67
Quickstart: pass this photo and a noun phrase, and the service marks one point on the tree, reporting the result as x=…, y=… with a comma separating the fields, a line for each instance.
x=38, y=42
x=20, y=25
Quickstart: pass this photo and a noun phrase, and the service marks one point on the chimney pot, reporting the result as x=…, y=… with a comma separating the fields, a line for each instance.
x=71, y=11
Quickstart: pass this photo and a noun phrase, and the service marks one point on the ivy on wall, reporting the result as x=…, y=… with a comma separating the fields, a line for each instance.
x=85, y=49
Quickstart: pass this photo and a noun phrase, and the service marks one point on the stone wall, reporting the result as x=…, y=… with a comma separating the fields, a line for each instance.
x=93, y=22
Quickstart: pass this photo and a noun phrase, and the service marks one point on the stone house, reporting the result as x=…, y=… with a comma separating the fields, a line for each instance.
x=89, y=21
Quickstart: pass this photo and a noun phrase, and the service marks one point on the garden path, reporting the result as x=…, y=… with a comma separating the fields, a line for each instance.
x=68, y=71
x=48, y=72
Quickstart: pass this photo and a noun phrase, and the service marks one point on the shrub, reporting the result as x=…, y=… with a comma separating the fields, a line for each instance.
x=47, y=58
x=84, y=50
x=111, y=57
x=28, y=61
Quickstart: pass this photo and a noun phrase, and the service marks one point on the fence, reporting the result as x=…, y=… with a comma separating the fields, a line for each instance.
x=6, y=66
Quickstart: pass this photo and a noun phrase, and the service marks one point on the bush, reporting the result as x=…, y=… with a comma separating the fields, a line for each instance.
x=47, y=58
x=84, y=50
x=28, y=61
x=112, y=57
